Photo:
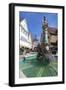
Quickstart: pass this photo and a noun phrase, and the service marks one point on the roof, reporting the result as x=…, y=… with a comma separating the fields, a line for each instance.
x=52, y=30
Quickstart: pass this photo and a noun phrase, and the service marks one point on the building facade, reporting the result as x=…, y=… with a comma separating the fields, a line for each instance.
x=25, y=35
x=35, y=43
x=53, y=39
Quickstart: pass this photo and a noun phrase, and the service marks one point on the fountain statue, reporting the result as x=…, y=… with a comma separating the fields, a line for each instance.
x=43, y=47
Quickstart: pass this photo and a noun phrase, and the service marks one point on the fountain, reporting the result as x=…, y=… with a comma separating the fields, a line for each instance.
x=43, y=47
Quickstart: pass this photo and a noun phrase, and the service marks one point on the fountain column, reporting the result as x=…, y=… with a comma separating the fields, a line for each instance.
x=43, y=48
x=45, y=33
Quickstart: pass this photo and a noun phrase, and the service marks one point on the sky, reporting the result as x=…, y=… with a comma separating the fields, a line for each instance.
x=34, y=21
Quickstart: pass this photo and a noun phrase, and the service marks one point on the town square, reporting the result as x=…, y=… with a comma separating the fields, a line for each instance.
x=38, y=44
